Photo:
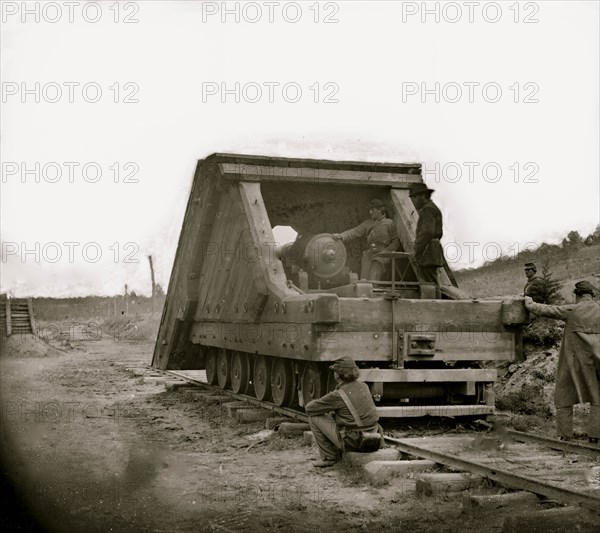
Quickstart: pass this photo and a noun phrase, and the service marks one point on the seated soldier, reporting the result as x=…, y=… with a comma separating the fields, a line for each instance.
x=380, y=232
x=345, y=419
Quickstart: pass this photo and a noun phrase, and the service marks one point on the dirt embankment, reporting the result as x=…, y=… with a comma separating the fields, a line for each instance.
x=525, y=396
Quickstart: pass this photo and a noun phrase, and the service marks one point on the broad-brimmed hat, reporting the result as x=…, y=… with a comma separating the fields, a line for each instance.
x=583, y=287
x=376, y=202
x=531, y=265
x=343, y=363
x=419, y=188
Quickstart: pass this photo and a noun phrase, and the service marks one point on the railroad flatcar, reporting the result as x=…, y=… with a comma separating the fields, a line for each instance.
x=266, y=317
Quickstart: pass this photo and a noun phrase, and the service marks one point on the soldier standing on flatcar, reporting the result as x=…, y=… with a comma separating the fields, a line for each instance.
x=345, y=419
x=578, y=372
x=381, y=235
x=428, y=251
x=535, y=287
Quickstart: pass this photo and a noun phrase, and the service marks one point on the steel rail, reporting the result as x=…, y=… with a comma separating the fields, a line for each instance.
x=503, y=477
x=555, y=444
x=298, y=415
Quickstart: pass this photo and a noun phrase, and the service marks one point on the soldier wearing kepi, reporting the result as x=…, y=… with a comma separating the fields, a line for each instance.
x=381, y=235
x=345, y=419
x=578, y=372
x=428, y=251
x=535, y=286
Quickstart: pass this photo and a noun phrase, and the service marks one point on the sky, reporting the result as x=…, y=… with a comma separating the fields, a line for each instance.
x=107, y=106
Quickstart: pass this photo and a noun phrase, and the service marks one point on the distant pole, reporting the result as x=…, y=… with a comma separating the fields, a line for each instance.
x=115, y=304
x=153, y=284
x=126, y=298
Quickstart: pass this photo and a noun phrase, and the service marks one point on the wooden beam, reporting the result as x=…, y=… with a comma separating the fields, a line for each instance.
x=244, y=172
x=442, y=483
x=426, y=375
x=262, y=236
x=438, y=314
x=414, y=411
x=408, y=327
x=406, y=218
x=456, y=346
x=293, y=341
x=410, y=168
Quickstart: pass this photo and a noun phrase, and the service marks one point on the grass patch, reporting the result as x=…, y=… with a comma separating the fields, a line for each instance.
x=528, y=400
x=132, y=328
x=527, y=422
x=543, y=332
x=278, y=442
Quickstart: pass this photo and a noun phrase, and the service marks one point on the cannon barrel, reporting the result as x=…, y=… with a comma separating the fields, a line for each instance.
x=320, y=255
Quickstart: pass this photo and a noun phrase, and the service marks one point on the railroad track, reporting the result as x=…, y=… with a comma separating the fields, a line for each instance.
x=567, y=472
x=542, y=468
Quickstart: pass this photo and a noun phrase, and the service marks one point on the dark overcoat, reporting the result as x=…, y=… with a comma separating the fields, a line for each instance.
x=578, y=372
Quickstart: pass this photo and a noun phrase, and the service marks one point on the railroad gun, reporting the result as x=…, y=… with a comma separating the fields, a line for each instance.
x=266, y=319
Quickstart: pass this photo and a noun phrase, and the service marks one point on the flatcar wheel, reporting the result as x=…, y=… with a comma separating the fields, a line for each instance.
x=240, y=373
x=262, y=377
x=211, y=366
x=223, y=369
x=314, y=382
x=283, y=382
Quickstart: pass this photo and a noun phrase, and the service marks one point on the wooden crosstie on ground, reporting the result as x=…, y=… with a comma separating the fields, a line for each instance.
x=16, y=316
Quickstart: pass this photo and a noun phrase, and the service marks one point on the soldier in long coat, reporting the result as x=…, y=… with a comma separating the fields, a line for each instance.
x=381, y=235
x=428, y=251
x=578, y=373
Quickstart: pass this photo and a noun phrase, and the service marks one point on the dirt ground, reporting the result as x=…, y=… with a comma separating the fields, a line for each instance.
x=87, y=446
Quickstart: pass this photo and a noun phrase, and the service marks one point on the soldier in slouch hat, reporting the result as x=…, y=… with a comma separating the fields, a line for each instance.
x=345, y=419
